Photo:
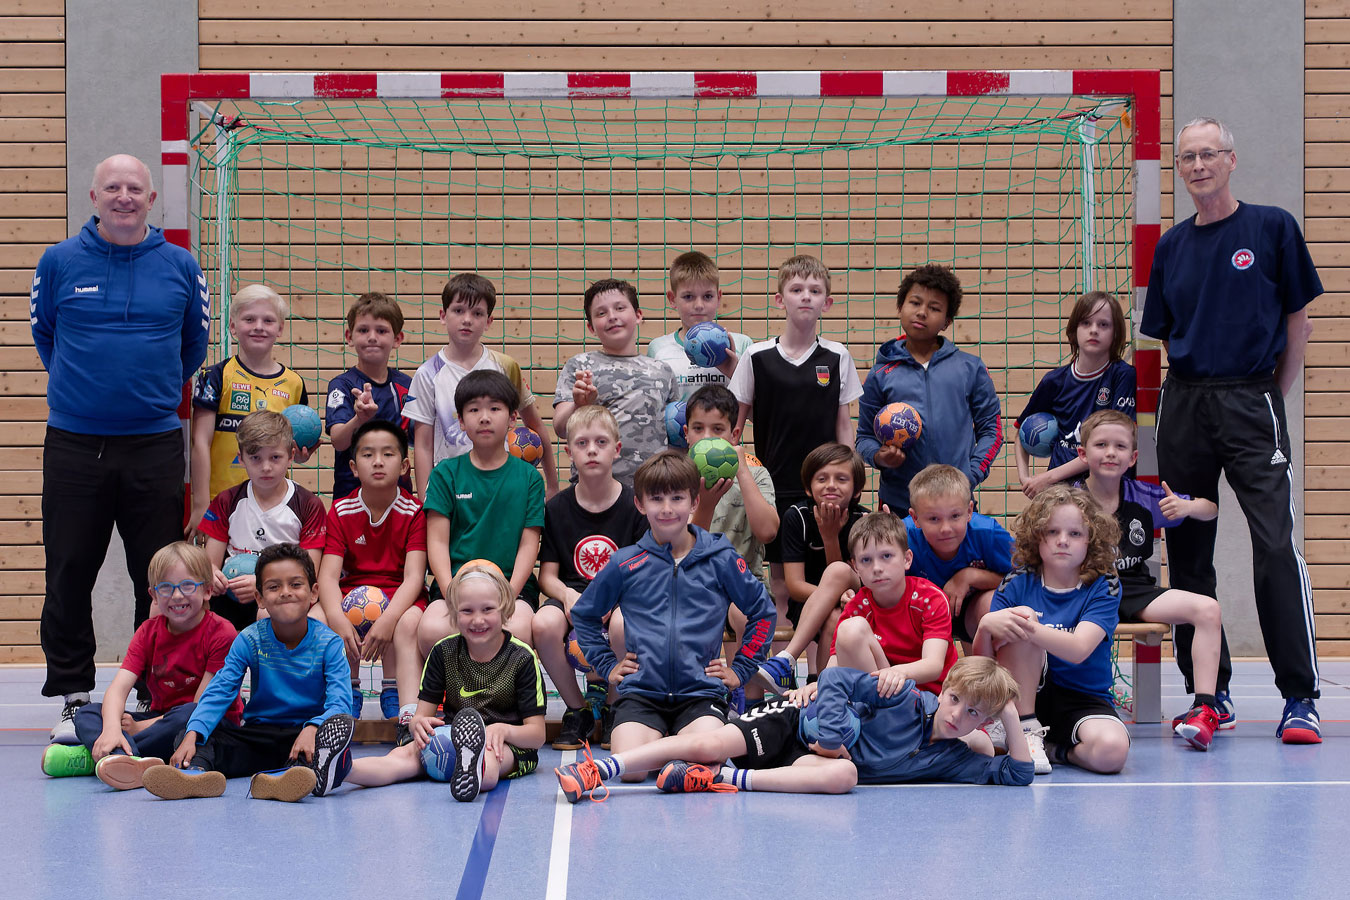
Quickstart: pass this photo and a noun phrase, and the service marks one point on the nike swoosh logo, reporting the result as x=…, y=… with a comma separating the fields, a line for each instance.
x=467, y=694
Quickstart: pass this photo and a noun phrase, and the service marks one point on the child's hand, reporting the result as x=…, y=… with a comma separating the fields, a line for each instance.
x=303, y=748
x=957, y=589
x=245, y=588
x=1007, y=626
x=627, y=666
x=363, y=404
x=133, y=727
x=190, y=532
x=187, y=749
x=300, y=455
x=350, y=642
x=890, y=680
x=496, y=740
x=837, y=753
x=584, y=392
x=422, y=727
x=219, y=583
x=719, y=669
x=1172, y=506
x=377, y=638
x=1036, y=483
x=715, y=493
x=846, y=596
x=830, y=519
x=803, y=695
x=889, y=457
x=108, y=742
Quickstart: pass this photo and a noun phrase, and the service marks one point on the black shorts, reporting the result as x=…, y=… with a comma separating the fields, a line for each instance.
x=959, y=630
x=667, y=718
x=773, y=550
x=770, y=737
x=1135, y=594
x=1064, y=710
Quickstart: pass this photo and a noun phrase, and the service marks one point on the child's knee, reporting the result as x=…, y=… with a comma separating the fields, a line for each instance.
x=852, y=634
x=549, y=625
x=840, y=779
x=406, y=630
x=1207, y=612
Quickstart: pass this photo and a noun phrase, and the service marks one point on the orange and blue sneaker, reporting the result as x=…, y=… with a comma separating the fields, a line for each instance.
x=581, y=779
x=1198, y=725
x=1299, y=724
x=680, y=777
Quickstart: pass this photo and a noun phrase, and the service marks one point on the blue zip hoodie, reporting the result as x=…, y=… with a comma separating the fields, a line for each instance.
x=120, y=330
x=895, y=735
x=674, y=616
x=957, y=402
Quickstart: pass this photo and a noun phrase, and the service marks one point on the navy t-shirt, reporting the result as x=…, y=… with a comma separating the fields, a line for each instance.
x=1071, y=398
x=1219, y=293
x=390, y=397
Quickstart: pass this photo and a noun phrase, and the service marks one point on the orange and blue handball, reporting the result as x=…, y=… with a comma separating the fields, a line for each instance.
x=362, y=606
x=523, y=442
x=897, y=425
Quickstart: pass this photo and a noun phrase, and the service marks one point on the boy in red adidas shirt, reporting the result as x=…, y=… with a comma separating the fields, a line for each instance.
x=898, y=628
x=377, y=537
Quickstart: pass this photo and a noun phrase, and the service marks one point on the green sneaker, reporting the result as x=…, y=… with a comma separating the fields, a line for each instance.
x=65, y=760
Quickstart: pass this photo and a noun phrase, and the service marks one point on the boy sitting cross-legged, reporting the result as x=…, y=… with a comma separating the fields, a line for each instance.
x=583, y=526
x=673, y=587
x=849, y=734
x=377, y=537
x=296, y=717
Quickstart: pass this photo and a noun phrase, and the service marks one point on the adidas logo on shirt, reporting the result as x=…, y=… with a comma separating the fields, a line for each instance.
x=360, y=541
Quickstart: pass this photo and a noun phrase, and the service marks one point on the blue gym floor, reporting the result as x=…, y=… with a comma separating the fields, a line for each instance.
x=1251, y=818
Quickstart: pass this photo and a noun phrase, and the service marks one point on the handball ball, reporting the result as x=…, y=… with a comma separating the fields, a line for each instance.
x=438, y=756
x=305, y=425
x=523, y=442
x=675, y=424
x=898, y=425
x=706, y=344
x=240, y=564
x=362, y=606
x=716, y=459
x=574, y=655
x=810, y=725
x=1038, y=433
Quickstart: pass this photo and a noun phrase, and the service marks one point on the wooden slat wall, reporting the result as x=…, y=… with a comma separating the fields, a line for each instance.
x=1327, y=224
x=32, y=215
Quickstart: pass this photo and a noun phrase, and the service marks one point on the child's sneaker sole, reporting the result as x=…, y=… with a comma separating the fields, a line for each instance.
x=290, y=786
x=171, y=783
x=468, y=734
x=125, y=773
x=330, y=748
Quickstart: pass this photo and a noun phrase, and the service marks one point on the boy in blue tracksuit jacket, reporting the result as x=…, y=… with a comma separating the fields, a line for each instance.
x=673, y=589
x=849, y=734
x=950, y=389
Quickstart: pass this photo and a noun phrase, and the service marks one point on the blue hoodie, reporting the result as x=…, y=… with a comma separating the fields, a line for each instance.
x=955, y=399
x=120, y=330
x=674, y=616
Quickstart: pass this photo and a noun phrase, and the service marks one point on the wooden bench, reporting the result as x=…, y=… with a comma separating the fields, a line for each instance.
x=1146, y=668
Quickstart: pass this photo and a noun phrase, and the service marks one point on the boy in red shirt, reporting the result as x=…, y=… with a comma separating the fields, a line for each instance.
x=177, y=652
x=377, y=537
x=898, y=628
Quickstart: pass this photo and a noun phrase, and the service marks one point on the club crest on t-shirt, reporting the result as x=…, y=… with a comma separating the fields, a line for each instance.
x=1137, y=533
x=591, y=553
x=1243, y=259
x=823, y=376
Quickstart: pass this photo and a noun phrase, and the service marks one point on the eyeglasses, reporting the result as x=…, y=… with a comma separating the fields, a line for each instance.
x=186, y=587
x=1206, y=156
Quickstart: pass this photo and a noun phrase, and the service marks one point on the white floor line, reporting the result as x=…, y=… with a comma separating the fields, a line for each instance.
x=629, y=788
x=561, y=850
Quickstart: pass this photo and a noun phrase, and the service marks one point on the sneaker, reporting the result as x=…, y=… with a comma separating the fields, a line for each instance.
x=172, y=783
x=289, y=785
x=595, y=698
x=581, y=779
x=124, y=773
x=63, y=761
x=1036, y=744
x=468, y=736
x=1299, y=724
x=1197, y=726
x=606, y=725
x=680, y=777
x=358, y=701
x=389, y=703
x=577, y=725
x=997, y=736
x=332, y=758
x=777, y=675
x=64, y=730
x=1223, y=708
x=403, y=735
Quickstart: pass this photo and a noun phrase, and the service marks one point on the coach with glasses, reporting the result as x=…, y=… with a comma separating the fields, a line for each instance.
x=1228, y=296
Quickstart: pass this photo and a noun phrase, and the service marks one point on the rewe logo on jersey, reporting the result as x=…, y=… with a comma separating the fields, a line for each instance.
x=1243, y=259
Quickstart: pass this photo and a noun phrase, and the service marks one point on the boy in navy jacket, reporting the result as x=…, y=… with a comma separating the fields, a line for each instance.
x=848, y=734
x=950, y=388
x=674, y=588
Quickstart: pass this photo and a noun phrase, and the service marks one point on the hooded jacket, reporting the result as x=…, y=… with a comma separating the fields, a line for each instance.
x=674, y=616
x=957, y=403
x=120, y=330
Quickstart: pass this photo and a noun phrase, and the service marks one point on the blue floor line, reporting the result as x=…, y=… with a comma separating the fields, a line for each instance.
x=484, y=839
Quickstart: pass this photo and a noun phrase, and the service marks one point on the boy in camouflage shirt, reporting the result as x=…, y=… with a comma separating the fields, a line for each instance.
x=634, y=388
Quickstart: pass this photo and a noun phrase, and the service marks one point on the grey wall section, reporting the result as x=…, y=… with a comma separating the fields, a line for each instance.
x=115, y=53
x=1258, y=92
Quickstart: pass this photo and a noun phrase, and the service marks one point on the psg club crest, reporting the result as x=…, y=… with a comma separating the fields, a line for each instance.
x=591, y=554
x=823, y=376
x=1243, y=259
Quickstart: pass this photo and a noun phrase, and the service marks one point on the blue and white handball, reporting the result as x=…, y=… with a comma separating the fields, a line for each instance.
x=1038, y=433
x=706, y=344
x=675, y=413
x=438, y=756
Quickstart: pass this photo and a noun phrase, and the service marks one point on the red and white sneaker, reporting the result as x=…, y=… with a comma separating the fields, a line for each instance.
x=1197, y=726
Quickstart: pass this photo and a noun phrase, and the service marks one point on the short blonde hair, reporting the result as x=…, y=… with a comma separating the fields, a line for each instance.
x=803, y=266
x=1103, y=532
x=250, y=294
x=193, y=558
x=592, y=414
x=478, y=568
x=1107, y=417
x=263, y=428
x=693, y=266
x=982, y=683
x=938, y=482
